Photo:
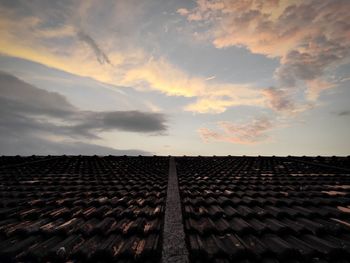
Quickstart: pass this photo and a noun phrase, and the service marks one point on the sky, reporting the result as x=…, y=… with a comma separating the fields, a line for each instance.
x=175, y=77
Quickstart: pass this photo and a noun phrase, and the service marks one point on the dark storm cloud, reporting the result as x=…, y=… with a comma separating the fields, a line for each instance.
x=29, y=114
x=101, y=56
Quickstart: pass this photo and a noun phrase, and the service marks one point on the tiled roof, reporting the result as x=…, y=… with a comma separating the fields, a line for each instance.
x=264, y=210
x=13, y=160
x=234, y=209
x=340, y=162
x=83, y=208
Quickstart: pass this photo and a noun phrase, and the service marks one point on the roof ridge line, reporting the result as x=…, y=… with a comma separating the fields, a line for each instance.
x=174, y=244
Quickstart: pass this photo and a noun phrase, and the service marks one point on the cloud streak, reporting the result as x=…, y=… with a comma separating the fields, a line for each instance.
x=101, y=56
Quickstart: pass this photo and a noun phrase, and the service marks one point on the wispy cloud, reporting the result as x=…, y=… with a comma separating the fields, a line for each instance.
x=211, y=77
x=60, y=48
x=252, y=132
x=100, y=54
x=213, y=97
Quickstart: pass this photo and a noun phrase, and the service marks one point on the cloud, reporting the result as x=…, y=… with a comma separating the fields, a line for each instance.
x=29, y=145
x=252, y=132
x=29, y=112
x=278, y=99
x=131, y=121
x=344, y=113
x=309, y=38
x=24, y=98
x=218, y=103
x=282, y=100
x=306, y=37
x=210, y=78
x=315, y=87
x=23, y=35
x=183, y=11
x=101, y=56
x=19, y=97
x=213, y=97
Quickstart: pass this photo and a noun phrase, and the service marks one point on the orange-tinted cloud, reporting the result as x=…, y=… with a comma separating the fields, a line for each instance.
x=105, y=60
x=316, y=86
x=212, y=97
x=278, y=99
x=251, y=132
x=307, y=36
x=265, y=27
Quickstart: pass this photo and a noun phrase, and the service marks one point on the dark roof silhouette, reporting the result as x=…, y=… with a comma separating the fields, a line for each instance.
x=202, y=209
